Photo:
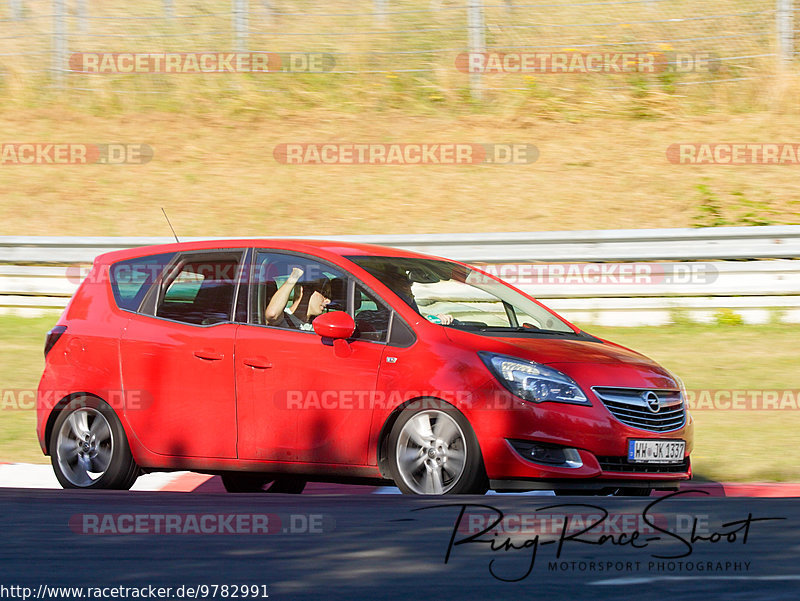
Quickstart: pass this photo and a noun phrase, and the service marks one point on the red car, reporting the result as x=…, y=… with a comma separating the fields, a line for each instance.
x=273, y=363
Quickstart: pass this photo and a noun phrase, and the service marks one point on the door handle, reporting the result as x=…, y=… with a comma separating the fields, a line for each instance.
x=257, y=363
x=208, y=355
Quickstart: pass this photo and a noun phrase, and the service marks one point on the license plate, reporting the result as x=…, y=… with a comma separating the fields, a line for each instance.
x=656, y=451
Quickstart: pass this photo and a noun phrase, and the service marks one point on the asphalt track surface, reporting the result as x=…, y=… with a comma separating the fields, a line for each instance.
x=393, y=547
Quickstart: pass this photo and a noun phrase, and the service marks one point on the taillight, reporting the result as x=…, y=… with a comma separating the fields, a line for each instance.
x=52, y=337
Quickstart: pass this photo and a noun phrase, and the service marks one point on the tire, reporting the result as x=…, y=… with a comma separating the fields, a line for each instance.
x=250, y=482
x=433, y=451
x=89, y=449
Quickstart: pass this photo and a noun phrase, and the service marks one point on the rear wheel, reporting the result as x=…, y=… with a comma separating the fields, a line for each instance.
x=89, y=449
x=435, y=452
x=242, y=482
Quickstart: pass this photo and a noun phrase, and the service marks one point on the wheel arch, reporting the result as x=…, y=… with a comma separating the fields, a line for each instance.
x=391, y=420
x=58, y=407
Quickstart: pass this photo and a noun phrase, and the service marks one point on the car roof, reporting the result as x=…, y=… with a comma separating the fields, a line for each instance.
x=313, y=247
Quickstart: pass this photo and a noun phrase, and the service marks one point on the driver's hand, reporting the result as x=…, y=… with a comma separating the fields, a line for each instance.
x=297, y=273
x=446, y=318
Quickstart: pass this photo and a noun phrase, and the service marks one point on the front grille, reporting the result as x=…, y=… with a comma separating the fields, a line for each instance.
x=620, y=464
x=629, y=406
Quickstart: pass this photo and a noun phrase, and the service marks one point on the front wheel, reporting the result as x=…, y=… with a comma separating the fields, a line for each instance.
x=433, y=451
x=89, y=449
x=244, y=482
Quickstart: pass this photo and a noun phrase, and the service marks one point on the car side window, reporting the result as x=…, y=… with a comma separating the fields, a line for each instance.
x=132, y=279
x=199, y=289
x=290, y=291
x=372, y=317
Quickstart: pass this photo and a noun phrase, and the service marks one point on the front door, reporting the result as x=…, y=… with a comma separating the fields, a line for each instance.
x=298, y=398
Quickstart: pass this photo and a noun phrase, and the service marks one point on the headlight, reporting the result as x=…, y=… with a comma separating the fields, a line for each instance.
x=534, y=382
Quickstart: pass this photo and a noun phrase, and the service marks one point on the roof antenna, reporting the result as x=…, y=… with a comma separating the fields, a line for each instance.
x=170, y=225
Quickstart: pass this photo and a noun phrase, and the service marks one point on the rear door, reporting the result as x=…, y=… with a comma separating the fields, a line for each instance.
x=178, y=354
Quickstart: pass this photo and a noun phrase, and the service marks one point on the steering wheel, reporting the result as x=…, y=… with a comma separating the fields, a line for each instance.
x=437, y=320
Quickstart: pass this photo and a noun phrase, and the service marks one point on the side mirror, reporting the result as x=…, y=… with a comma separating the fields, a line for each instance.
x=335, y=324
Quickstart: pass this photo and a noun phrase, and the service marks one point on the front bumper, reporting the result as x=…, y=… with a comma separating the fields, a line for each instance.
x=600, y=439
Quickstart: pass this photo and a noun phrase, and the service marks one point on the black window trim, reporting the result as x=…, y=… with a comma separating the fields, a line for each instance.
x=351, y=307
x=153, y=295
x=244, y=262
x=251, y=278
x=352, y=281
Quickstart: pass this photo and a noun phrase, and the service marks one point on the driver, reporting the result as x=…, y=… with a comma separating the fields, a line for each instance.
x=314, y=297
x=399, y=282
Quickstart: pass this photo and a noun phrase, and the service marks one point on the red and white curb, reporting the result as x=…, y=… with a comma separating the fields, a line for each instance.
x=28, y=475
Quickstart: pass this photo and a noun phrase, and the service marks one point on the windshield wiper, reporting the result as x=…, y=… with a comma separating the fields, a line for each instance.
x=525, y=330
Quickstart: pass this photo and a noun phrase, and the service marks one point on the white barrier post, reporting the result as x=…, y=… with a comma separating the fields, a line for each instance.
x=59, y=56
x=267, y=10
x=477, y=43
x=240, y=24
x=83, y=16
x=15, y=8
x=381, y=7
x=784, y=15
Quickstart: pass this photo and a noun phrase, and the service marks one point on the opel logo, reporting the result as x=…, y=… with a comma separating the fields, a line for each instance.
x=651, y=398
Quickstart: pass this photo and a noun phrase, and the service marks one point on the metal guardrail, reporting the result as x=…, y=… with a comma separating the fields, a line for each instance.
x=696, y=271
x=702, y=244
x=739, y=278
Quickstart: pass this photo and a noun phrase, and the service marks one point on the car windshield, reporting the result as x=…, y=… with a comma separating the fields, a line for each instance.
x=459, y=296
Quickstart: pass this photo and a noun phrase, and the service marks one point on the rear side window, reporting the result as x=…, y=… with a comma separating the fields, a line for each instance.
x=131, y=279
x=200, y=288
x=185, y=288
